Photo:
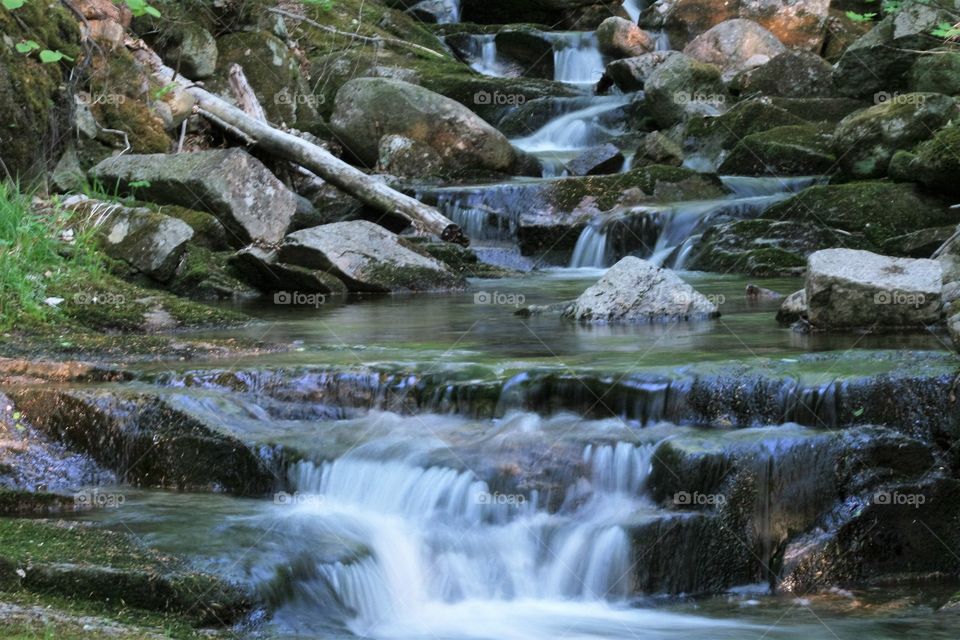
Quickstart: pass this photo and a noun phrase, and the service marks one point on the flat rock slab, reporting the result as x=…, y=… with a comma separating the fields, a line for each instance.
x=367, y=258
x=253, y=205
x=847, y=288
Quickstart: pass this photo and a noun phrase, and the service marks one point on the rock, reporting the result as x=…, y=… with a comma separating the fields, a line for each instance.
x=949, y=257
x=799, y=24
x=434, y=11
x=274, y=73
x=684, y=20
x=369, y=108
x=634, y=290
x=762, y=247
x=735, y=46
x=819, y=109
x=656, y=148
x=918, y=244
x=406, y=158
x=619, y=38
x=682, y=87
x=866, y=141
x=261, y=269
x=794, y=150
x=936, y=162
x=566, y=13
x=879, y=61
x=252, y=204
x=851, y=289
x=792, y=74
x=605, y=159
x=711, y=134
x=936, y=73
x=630, y=74
x=191, y=49
x=877, y=210
x=532, y=52
x=367, y=258
x=793, y=308
x=150, y=242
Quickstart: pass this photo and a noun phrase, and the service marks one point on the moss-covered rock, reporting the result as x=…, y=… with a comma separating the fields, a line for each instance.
x=34, y=111
x=936, y=162
x=682, y=87
x=208, y=275
x=743, y=119
x=865, y=141
x=878, y=210
x=790, y=150
x=938, y=72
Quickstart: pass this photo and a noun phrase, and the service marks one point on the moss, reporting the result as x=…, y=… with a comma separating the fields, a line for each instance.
x=206, y=274
x=396, y=278
x=937, y=162
x=208, y=231
x=879, y=210
x=607, y=191
x=19, y=502
x=743, y=119
x=791, y=150
x=460, y=260
x=144, y=130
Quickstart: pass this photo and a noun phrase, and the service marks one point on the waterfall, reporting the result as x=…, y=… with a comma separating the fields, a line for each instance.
x=666, y=234
x=576, y=57
x=579, y=129
x=428, y=538
x=634, y=8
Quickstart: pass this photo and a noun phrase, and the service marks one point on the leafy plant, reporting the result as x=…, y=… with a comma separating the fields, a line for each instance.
x=861, y=17
x=10, y=5
x=946, y=31
x=26, y=46
x=142, y=8
x=326, y=5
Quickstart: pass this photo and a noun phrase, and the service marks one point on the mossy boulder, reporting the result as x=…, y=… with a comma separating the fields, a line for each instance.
x=792, y=74
x=879, y=210
x=724, y=131
x=790, y=150
x=936, y=162
x=764, y=247
x=936, y=73
x=33, y=108
x=819, y=109
x=682, y=87
x=208, y=275
x=866, y=141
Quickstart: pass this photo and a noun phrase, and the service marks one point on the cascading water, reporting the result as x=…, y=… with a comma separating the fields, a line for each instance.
x=432, y=543
x=665, y=234
x=576, y=57
x=594, y=124
x=634, y=8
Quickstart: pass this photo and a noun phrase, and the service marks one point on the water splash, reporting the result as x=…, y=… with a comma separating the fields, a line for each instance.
x=576, y=57
x=598, y=122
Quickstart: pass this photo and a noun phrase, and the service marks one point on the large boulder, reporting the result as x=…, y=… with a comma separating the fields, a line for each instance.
x=619, y=38
x=851, y=289
x=369, y=108
x=936, y=162
x=866, y=141
x=879, y=61
x=253, y=205
x=634, y=290
x=791, y=74
x=684, y=20
x=366, y=257
x=799, y=24
x=150, y=242
x=735, y=46
x=938, y=73
x=708, y=136
x=682, y=87
x=630, y=74
x=792, y=150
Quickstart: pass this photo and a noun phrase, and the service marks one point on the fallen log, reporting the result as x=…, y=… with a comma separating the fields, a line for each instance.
x=423, y=218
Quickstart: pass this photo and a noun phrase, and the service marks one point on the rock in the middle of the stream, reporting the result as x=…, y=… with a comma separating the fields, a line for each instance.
x=367, y=258
x=634, y=290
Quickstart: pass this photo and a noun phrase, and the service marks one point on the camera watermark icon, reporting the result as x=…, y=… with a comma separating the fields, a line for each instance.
x=297, y=499
x=497, y=298
x=915, y=300
x=885, y=97
x=299, y=298
x=902, y=499
x=96, y=499
x=497, y=498
x=99, y=297
x=697, y=499
x=285, y=97
x=700, y=97
x=497, y=98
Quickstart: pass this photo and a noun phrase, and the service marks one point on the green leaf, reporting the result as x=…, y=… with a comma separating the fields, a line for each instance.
x=27, y=46
x=152, y=11
x=136, y=184
x=10, y=5
x=860, y=17
x=162, y=91
x=47, y=56
x=17, y=415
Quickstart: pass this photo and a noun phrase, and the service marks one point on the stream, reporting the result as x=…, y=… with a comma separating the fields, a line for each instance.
x=397, y=522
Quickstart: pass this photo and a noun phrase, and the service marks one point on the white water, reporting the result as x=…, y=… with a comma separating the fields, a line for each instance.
x=577, y=130
x=634, y=8
x=443, y=554
x=678, y=225
x=576, y=57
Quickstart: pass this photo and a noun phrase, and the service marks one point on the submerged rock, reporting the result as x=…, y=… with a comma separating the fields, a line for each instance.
x=851, y=289
x=252, y=204
x=369, y=108
x=634, y=290
x=367, y=258
x=735, y=46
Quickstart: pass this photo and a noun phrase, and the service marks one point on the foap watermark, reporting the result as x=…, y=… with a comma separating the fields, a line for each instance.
x=299, y=99
x=697, y=499
x=497, y=98
x=907, y=298
x=700, y=97
x=91, y=99
x=885, y=97
x=297, y=499
x=902, y=499
x=511, y=499
x=299, y=298
x=497, y=298
x=691, y=297
x=99, y=297
x=95, y=499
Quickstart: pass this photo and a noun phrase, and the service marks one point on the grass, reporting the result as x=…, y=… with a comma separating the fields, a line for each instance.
x=33, y=257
